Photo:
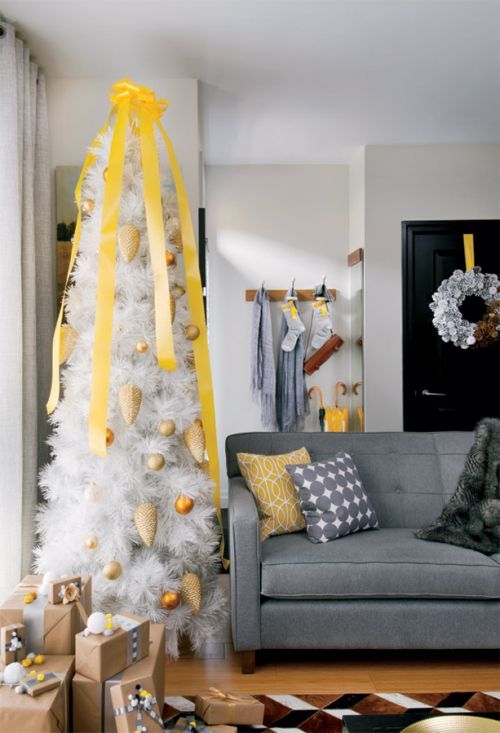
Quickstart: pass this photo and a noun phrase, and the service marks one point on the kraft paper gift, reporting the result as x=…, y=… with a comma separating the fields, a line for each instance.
x=99, y=657
x=186, y=724
x=47, y=712
x=134, y=706
x=50, y=628
x=216, y=707
x=92, y=705
x=12, y=643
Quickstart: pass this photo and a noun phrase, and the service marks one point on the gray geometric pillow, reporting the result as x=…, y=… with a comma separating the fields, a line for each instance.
x=332, y=498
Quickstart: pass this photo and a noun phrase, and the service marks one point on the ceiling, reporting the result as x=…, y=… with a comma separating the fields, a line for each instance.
x=291, y=81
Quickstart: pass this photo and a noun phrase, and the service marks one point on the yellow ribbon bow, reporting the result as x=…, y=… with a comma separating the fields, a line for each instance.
x=226, y=696
x=320, y=303
x=137, y=105
x=291, y=307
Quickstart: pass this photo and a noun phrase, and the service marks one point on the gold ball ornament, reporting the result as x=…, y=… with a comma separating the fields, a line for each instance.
x=178, y=291
x=166, y=428
x=141, y=346
x=155, y=461
x=88, y=205
x=26, y=662
x=170, y=600
x=170, y=258
x=39, y=659
x=192, y=332
x=184, y=504
x=91, y=543
x=110, y=436
x=112, y=570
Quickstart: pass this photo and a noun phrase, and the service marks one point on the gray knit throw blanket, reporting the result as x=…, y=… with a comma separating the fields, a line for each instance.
x=263, y=378
x=292, y=404
x=472, y=516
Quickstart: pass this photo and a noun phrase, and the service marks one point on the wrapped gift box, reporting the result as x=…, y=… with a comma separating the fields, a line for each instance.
x=12, y=643
x=92, y=705
x=135, y=706
x=99, y=657
x=215, y=707
x=44, y=713
x=185, y=726
x=50, y=628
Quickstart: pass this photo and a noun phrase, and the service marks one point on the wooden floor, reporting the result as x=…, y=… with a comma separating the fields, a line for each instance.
x=280, y=672
x=309, y=672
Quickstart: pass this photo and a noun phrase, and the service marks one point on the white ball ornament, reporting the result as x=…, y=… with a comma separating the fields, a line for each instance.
x=93, y=493
x=13, y=673
x=96, y=623
x=48, y=577
x=20, y=689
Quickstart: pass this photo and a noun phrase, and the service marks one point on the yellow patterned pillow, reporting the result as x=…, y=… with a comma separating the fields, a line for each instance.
x=276, y=497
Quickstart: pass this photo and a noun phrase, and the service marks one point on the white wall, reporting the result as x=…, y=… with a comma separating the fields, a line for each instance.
x=78, y=109
x=272, y=223
x=404, y=182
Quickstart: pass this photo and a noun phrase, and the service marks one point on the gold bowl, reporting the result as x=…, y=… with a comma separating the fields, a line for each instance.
x=454, y=724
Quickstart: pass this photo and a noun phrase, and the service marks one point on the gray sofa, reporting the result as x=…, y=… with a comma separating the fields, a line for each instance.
x=379, y=589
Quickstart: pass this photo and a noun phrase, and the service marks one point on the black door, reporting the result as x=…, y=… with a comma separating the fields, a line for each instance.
x=445, y=387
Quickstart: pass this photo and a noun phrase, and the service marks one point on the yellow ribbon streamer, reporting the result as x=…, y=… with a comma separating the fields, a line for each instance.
x=56, y=340
x=103, y=336
x=156, y=236
x=469, y=251
x=137, y=105
x=200, y=345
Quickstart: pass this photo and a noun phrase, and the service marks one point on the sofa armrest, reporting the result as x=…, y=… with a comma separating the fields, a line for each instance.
x=245, y=566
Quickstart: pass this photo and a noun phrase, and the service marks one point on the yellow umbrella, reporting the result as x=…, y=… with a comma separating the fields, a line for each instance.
x=359, y=410
x=338, y=418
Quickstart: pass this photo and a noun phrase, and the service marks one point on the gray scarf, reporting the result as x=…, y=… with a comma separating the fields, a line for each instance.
x=262, y=355
x=292, y=404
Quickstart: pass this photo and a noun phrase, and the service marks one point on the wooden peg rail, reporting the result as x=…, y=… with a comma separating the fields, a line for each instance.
x=276, y=296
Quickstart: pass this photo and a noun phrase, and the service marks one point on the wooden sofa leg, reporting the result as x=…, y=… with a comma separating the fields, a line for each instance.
x=248, y=662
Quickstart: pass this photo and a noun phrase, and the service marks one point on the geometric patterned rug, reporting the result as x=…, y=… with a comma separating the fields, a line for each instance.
x=324, y=713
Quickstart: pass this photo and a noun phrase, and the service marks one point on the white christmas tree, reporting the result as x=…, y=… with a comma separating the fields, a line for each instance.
x=141, y=521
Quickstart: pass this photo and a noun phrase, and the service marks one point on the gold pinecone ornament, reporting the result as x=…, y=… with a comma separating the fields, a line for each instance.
x=172, y=308
x=129, y=401
x=146, y=519
x=67, y=342
x=129, y=239
x=194, y=437
x=173, y=231
x=191, y=591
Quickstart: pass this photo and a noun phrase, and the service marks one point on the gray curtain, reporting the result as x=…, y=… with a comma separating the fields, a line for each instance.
x=27, y=286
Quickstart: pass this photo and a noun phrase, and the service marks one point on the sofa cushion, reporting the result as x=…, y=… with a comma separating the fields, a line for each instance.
x=274, y=491
x=332, y=498
x=389, y=563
